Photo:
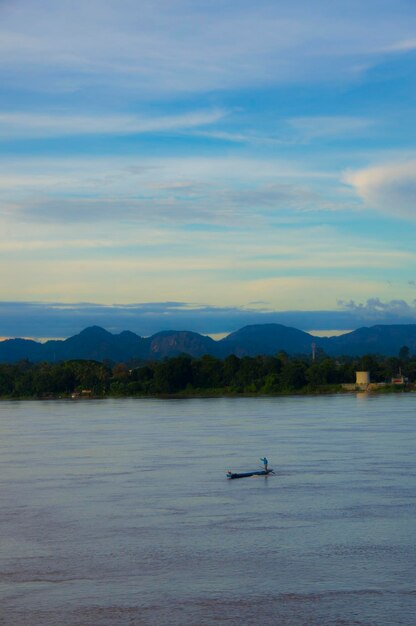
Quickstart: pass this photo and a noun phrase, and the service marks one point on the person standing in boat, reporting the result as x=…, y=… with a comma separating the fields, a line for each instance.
x=265, y=463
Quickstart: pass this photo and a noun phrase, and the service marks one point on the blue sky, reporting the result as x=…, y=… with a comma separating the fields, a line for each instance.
x=206, y=164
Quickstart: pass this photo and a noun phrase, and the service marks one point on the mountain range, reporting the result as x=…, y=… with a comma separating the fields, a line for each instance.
x=98, y=344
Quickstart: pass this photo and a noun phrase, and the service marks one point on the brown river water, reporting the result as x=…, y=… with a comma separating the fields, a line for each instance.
x=118, y=512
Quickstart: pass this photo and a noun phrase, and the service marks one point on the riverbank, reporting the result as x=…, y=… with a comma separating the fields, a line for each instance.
x=373, y=388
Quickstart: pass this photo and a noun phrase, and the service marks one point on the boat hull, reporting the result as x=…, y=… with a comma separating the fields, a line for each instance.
x=232, y=475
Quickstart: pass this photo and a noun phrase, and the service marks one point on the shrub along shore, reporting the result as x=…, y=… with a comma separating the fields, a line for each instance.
x=184, y=376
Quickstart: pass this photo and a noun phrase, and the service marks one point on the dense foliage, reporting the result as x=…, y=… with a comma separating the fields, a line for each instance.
x=197, y=376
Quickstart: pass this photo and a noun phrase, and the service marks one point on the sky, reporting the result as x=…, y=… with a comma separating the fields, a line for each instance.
x=206, y=164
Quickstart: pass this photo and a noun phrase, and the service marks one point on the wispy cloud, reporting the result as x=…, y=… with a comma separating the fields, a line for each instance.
x=162, y=45
x=201, y=190
x=172, y=205
x=28, y=125
x=335, y=126
x=298, y=130
x=406, y=45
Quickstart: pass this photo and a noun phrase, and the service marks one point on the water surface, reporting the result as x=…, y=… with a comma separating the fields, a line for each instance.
x=118, y=512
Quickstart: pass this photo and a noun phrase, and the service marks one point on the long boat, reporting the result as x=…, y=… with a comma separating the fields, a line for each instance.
x=248, y=474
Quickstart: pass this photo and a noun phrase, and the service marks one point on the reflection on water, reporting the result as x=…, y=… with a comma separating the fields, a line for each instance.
x=363, y=395
x=119, y=512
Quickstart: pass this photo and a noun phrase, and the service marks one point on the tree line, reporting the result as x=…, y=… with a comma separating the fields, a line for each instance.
x=208, y=375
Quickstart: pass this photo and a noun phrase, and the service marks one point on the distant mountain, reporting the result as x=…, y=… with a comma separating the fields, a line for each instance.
x=170, y=343
x=12, y=350
x=94, y=343
x=382, y=339
x=266, y=339
x=98, y=344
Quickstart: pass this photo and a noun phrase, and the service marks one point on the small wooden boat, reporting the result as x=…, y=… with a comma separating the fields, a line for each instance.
x=248, y=474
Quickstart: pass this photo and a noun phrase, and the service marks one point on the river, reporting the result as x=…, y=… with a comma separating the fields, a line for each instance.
x=118, y=512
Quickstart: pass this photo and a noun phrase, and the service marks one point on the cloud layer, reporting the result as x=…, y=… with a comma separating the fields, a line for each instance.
x=30, y=319
x=204, y=190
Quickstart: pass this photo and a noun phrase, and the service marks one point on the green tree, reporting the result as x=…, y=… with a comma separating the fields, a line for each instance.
x=293, y=376
x=230, y=368
x=173, y=375
x=208, y=372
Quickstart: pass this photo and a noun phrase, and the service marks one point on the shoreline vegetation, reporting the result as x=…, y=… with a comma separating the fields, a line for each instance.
x=205, y=377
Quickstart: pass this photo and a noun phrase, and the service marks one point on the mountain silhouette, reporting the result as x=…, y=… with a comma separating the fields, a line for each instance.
x=98, y=344
x=266, y=339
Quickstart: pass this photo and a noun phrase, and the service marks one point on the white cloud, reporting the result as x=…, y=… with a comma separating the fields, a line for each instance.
x=390, y=188
x=375, y=306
